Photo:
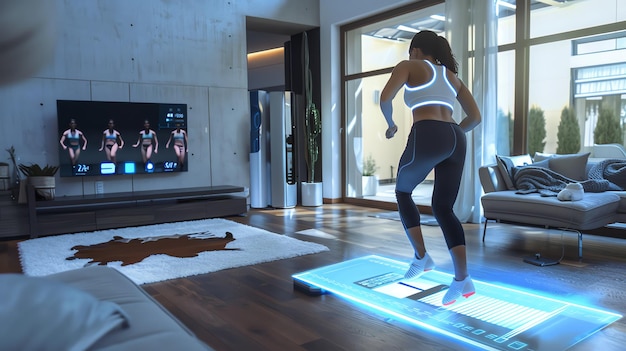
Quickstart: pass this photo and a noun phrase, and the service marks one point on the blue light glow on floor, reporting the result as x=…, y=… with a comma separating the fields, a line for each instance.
x=495, y=318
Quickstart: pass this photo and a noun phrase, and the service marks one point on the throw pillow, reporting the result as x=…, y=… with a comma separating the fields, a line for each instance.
x=42, y=314
x=543, y=164
x=540, y=156
x=506, y=164
x=573, y=166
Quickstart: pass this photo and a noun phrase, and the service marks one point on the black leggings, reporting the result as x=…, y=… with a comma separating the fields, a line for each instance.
x=439, y=145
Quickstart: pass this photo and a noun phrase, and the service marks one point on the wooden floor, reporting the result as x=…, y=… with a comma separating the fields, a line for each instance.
x=256, y=307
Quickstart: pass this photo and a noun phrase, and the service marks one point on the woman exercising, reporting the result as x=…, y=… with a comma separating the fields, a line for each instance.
x=111, y=142
x=73, y=137
x=436, y=141
x=149, y=142
x=180, y=144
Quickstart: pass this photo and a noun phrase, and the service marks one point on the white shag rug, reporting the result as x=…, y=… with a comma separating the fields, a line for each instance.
x=47, y=255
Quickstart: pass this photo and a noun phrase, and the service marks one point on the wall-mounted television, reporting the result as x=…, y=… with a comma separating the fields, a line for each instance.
x=98, y=138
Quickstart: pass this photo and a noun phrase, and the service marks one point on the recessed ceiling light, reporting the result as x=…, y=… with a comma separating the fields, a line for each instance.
x=438, y=17
x=407, y=29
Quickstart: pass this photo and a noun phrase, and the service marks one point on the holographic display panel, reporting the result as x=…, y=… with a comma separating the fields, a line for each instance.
x=495, y=318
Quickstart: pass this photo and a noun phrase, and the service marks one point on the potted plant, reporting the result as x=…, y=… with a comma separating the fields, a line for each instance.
x=41, y=178
x=311, y=190
x=370, y=179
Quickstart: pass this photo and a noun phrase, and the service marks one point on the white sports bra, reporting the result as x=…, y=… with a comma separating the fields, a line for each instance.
x=438, y=91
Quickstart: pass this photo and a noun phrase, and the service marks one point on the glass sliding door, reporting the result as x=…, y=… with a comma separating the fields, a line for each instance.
x=372, y=48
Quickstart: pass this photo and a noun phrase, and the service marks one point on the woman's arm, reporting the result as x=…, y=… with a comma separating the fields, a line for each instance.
x=62, y=141
x=470, y=108
x=84, y=140
x=103, y=138
x=121, y=141
x=167, y=145
x=156, y=142
x=138, y=141
x=399, y=76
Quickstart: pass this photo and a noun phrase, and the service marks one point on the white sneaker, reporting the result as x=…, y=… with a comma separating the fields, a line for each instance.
x=457, y=289
x=419, y=266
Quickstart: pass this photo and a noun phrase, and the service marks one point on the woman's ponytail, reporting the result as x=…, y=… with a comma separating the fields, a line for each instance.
x=432, y=44
x=445, y=56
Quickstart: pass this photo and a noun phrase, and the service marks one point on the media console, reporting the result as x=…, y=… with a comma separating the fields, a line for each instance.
x=84, y=213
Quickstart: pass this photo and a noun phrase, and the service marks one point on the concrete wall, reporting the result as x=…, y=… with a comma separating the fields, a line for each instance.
x=191, y=52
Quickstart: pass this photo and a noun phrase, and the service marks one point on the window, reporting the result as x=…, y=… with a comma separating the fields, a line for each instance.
x=372, y=48
x=578, y=67
x=563, y=58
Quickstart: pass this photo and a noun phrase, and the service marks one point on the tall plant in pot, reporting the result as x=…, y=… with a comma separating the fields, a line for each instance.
x=41, y=178
x=311, y=190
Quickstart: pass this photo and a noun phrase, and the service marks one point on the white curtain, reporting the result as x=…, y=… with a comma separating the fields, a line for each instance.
x=472, y=24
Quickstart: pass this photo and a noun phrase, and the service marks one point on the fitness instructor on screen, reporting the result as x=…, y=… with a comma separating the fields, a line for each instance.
x=180, y=144
x=111, y=142
x=149, y=142
x=73, y=137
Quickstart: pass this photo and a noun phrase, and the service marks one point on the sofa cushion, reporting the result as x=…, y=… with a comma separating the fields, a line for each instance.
x=506, y=164
x=41, y=314
x=540, y=156
x=573, y=166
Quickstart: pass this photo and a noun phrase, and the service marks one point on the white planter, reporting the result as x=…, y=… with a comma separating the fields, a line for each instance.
x=370, y=185
x=44, y=186
x=311, y=194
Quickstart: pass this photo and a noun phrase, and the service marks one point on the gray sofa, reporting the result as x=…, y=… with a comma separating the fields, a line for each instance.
x=503, y=203
x=93, y=308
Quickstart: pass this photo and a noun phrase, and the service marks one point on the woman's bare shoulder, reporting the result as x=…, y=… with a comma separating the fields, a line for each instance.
x=411, y=64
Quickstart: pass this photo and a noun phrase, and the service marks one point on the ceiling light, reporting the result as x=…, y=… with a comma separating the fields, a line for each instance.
x=438, y=18
x=266, y=53
x=506, y=4
x=407, y=29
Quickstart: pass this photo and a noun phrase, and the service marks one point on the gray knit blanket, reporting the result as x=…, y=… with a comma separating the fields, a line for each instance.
x=606, y=175
x=613, y=170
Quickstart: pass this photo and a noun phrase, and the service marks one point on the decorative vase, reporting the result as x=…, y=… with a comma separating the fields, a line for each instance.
x=44, y=186
x=311, y=194
x=370, y=185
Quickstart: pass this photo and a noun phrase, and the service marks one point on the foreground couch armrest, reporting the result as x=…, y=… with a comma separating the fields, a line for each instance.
x=152, y=327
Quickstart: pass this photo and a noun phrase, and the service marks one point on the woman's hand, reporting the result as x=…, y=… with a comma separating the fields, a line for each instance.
x=391, y=131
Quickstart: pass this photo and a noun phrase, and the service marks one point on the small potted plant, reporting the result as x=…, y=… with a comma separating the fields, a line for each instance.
x=370, y=179
x=41, y=178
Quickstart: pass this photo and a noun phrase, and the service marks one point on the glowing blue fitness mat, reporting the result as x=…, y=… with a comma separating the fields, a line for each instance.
x=495, y=318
